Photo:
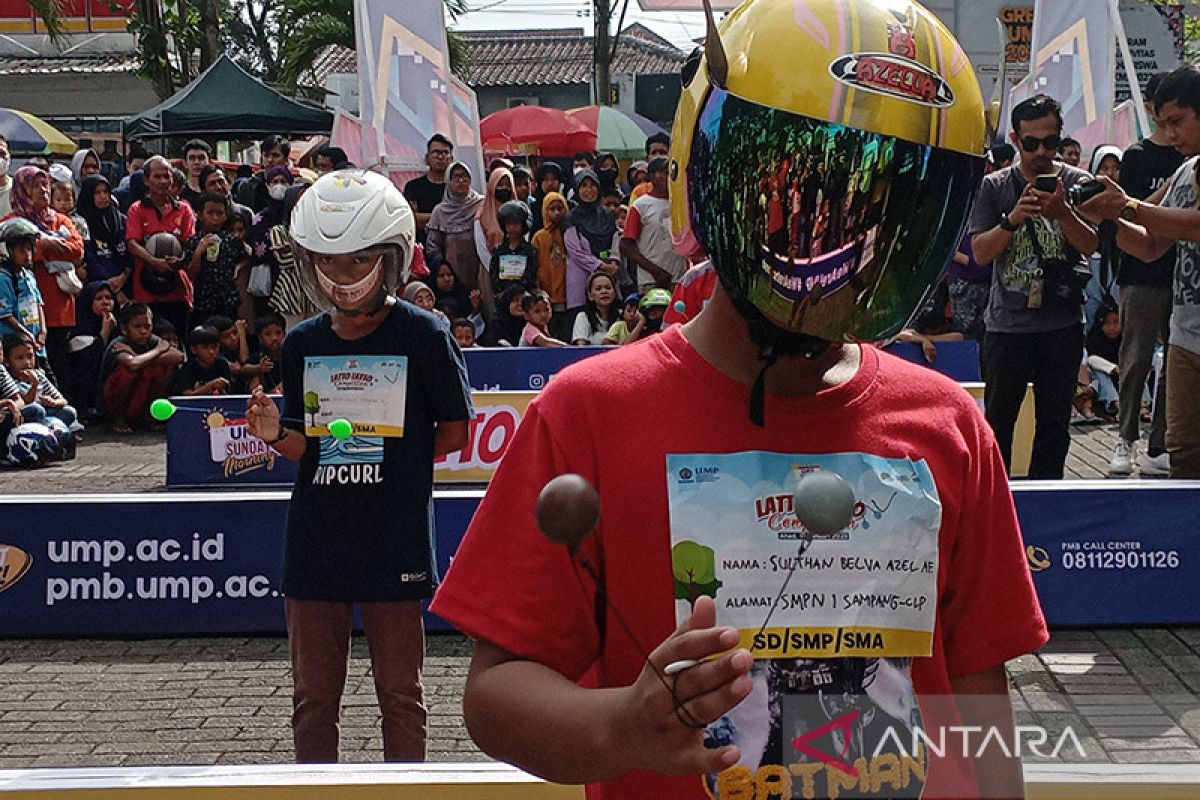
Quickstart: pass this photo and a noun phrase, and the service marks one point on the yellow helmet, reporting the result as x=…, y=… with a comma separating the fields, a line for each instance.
x=825, y=155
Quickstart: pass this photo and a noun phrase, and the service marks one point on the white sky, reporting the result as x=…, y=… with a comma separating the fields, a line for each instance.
x=679, y=28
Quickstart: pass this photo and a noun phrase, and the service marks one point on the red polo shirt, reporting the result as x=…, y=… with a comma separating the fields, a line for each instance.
x=143, y=221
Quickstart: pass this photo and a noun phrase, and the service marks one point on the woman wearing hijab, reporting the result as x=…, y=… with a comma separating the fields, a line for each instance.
x=591, y=238
x=608, y=170
x=95, y=326
x=488, y=233
x=450, y=234
x=105, y=255
x=60, y=242
x=549, y=179
x=84, y=164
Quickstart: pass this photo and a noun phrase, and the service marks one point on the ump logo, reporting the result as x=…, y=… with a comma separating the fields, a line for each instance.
x=685, y=475
x=14, y=563
x=1038, y=558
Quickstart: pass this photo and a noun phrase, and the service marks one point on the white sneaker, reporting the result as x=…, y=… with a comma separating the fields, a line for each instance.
x=1159, y=465
x=1122, y=458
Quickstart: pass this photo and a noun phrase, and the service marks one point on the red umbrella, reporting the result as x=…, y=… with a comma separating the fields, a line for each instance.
x=535, y=130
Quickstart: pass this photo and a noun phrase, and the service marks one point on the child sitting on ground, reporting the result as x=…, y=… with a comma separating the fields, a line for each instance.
x=137, y=369
x=1101, y=391
x=39, y=394
x=464, y=333
x=206, y=372
x=271, y=330
x=536, y=307
x=235, y=348
x=10, y=399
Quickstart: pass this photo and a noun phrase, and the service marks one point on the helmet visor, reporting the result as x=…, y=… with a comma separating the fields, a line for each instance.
x=830, y=231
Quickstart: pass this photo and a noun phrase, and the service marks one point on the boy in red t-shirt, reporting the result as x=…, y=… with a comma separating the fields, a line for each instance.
x=809, y=660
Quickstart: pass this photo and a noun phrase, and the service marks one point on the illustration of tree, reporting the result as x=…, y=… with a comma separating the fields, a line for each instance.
x=695, y=567
x=312, y=404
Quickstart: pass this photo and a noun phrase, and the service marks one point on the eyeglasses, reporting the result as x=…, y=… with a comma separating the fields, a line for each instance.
x=1031, y=143
x=440, y=153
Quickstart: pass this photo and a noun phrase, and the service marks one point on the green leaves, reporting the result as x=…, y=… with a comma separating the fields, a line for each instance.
x=694, y=568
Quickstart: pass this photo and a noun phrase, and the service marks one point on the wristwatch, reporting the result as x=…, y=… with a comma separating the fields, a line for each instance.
x=1007, y=225
x=1130, y=211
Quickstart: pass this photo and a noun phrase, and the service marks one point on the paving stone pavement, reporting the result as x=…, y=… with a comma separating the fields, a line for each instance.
x=1128, y=695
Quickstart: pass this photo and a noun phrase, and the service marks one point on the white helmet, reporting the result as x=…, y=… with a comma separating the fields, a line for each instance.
x=347, y=211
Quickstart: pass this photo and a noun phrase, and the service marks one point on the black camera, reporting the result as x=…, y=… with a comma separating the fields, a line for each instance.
x=1082, y=192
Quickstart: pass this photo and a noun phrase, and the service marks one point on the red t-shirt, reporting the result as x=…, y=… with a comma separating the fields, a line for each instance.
x=510, y=586
x=142, y=222
x=59, y=306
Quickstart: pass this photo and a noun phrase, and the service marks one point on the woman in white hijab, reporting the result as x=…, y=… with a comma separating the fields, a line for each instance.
x=450, y=234
x=84, y=164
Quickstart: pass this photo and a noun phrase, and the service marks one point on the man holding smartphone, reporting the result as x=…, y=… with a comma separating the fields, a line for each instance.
x=1023, y=226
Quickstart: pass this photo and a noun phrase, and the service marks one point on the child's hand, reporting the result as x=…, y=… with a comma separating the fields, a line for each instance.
x=241, y=328
x=219, y=385
x=929, y=349
x=265, y=364
x=262, y=416
x=476, y=301
x=11, y=407
x=646, y=720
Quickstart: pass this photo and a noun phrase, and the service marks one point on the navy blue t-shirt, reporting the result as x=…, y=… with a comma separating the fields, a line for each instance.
x=360, y=523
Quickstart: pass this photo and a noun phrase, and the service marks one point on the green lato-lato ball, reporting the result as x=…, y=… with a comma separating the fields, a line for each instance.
x=341, y=429
x=162, y=409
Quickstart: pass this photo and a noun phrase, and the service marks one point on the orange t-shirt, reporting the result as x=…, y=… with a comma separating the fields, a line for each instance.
x=552, y=263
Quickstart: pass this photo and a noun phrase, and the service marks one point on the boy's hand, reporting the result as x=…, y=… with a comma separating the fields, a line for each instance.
x=241, y=328
x=476, y=301
x=648, y=726
x=265, y=364
x=11, y=407
x=262, y=416
x=217, y=385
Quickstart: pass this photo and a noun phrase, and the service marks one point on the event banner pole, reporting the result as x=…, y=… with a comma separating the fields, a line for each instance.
x=1135, y=89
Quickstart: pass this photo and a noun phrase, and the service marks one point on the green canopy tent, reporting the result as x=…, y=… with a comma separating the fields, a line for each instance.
x=227, y=102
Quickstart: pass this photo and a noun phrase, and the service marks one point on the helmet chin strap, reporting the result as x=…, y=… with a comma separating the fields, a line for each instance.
x=773, y=343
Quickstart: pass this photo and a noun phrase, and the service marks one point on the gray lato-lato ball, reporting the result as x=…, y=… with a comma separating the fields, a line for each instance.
x=164, y=245
x=824, y=502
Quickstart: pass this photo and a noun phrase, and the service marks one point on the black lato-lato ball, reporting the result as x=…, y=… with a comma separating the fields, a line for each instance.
x=568, y=510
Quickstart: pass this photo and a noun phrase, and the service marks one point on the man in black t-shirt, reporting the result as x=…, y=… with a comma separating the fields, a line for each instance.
x=1145, y=306
x=425, y=192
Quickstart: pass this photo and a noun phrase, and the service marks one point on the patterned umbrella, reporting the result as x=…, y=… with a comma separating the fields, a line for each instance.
x=617, y=132
x=29, y=136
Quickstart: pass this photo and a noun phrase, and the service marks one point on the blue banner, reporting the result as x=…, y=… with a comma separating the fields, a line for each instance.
x=208, y=445
x=956, y=360
x=182, y=564
x=1113, y=553
x=520, y=368
x=166, y=564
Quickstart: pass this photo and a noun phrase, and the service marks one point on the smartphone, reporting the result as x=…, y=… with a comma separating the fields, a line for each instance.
x=1046, y=183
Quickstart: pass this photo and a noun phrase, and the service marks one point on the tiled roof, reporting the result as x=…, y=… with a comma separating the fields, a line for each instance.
x=334, y=60
x=75, y=65
x=538, y=57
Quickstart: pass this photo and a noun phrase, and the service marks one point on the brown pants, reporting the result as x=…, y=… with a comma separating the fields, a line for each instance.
x=1183, y=419
x=319, y=637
